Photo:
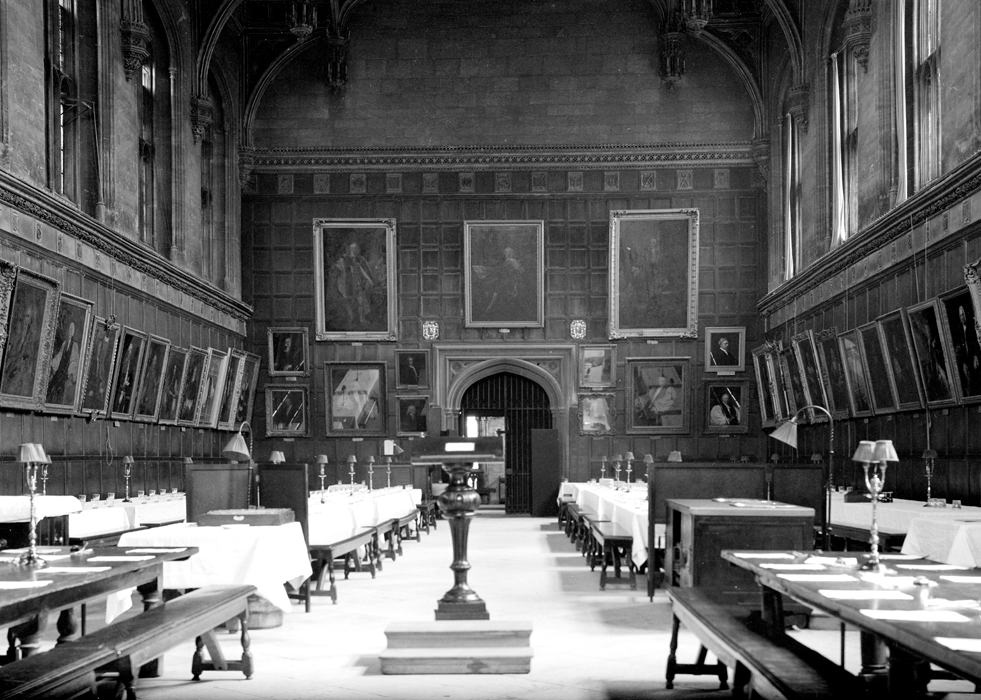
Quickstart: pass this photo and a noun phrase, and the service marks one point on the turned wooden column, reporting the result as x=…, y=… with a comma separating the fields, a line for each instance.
x=459, y=503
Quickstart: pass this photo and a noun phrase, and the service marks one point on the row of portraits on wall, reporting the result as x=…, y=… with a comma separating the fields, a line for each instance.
x=57, y=356
x=925, y=355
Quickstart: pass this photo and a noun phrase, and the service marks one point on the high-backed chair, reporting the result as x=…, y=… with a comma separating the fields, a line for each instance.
x=215, y=487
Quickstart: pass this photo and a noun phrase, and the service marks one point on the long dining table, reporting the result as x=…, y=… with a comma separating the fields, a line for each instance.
x=619, y=502
x=29, y=596
x=911, y=612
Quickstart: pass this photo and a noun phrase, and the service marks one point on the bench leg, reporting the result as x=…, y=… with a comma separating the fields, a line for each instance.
x=332, y=590
x=699, y=668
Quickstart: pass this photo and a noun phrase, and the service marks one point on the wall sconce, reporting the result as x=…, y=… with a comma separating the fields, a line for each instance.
x=430, y=330
x=577, y=329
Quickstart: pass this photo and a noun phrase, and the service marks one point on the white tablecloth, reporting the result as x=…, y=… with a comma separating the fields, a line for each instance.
x=264, y=556
x=15, y=509
x=946, y=539
x=628, y=509
x=893, y=517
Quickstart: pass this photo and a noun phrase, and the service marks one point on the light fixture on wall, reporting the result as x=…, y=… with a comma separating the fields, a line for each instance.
x=430, y=330
x=577, y=329
x=302, y=19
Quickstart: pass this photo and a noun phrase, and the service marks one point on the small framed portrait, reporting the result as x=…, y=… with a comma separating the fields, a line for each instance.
x=226, y=407
x=170, y=390
x=856, y=376
x=725, y=349
x=762, y=367
x=8, y=276
x=596, y=414
x=197, y=358
x=597, y=366
x=100, y=358
x=504, y=274
x=657, y=395
x=411, y=368
x=287, y=413
x=933, y=353
x=149, y=385
x=30, y=329
x=245, y=391
x=960, y=327
x=209, y=394
x=653, y=273
x=288, y=352
x=132, y=349
x=356, y=397
x=876, y=369
x=354, y=279
x=805, y=352
x=832, y=371
x=726, y=405
x=413, y=412
x=793, y=388
x=70, y=342
x=900, y=363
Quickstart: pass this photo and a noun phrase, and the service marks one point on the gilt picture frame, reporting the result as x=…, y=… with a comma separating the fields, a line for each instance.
x=170, y=392
x=197, y=359
x=904, y=375
x=725, y=349
x=245, y=392
x=597, y=413
x=354, y=279
x=597, y=366
x=356, y=398
x=658, y=395
x=65, y=368
x=504, y=274
x=805, y=352
x=287, y=410
x=765, y=388
x=99, y=366
x=726, y=407
x=653, y=273
x=288, y=351
x=413, y=418
x=832, y=372
x=129, y=363
x=931, y=348
x=31, y=320
x=959, y=323
x=149, y=385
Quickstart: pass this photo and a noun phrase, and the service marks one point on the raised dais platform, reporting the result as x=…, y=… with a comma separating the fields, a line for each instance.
x=457, y=646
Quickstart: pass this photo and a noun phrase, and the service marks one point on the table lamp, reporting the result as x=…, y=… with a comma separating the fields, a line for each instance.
x=351, y=461
x=127, y=475
x=322, y=462
x=31, y=455
x=870, y=453
x=277, y=457
x=929, y=461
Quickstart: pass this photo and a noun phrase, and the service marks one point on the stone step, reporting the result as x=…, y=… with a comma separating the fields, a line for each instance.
x=465, y=634
x=472, y=660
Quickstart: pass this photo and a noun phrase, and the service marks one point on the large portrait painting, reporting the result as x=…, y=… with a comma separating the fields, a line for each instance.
x=170, y=391
x=355, y=398
x=762, y=367
x=245, y=392
x=961, y=329
x=212, y=381
x=197, y=359
x=287, y=348
x=856, y=375
x=933, y=355
x=228, y=403
x=354, y=279
x=726, y=407
x=805, y=353
x=132, y=348
x=832, y=371
x=900, y=362
x=653, y=273
x=503, y=274
x=67, y=355
x=657, y=394
x=8, y=275
x=597, y=366
x=876, y=369
x=30, y=336
x=413, y=415
x=100, y=359
x=149, y=386
x=596, y=413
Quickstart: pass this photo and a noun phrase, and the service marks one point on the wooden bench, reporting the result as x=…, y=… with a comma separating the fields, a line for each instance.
x=324, y=555
x=762, y=666
x=427, y=515
x=613, y=545
x=72, y=669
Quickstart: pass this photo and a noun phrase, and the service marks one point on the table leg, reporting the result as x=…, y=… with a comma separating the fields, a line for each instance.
x=908, y=674
x=152, y=597
x=67, y=625
x=25, y=639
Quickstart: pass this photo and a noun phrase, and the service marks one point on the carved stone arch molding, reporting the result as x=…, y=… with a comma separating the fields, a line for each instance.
x=553, y=367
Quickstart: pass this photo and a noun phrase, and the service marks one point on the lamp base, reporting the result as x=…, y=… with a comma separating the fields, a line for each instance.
x=31, y=560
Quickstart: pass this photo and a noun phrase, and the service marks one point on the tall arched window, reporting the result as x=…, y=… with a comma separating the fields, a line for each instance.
x=214, y=192
x=843, y=125
x=924, y=45
x=73, y=133
x=790, y=160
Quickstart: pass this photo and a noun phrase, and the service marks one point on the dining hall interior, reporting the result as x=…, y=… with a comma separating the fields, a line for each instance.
x=661, y=315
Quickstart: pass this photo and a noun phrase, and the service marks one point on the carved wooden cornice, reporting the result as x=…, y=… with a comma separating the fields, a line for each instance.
x=54, y=212
x=503, y=158
x=938, y=198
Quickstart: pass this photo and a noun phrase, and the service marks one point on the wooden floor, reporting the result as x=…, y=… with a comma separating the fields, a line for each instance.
x=588, y=644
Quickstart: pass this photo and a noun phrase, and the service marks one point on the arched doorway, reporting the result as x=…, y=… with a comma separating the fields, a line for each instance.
x=525, y=407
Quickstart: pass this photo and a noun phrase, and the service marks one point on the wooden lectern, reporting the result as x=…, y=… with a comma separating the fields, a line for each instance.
x=459, y=456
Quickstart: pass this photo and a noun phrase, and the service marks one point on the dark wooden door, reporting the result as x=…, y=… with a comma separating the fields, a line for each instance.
x=544, y=472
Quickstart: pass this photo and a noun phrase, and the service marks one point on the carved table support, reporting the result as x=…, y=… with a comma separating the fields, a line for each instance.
x=459, y=503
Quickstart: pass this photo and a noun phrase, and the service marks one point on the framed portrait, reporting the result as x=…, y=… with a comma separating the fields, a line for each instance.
x=31, y=322
x=856, y=377
x=657, y=395
x=132, y=348
x=288, y=352
x=805, y=353
x=354, y=279
x=170, y=389
x=71, y=335
x=876, y=369
x=245, y=392
x=762, y=368
x=794, y=390
x=597, y=366
x=596, y=414
x=209, y=394
x=150, y=384
x=227, y=405
x=504, y=274
x=901, y=366
x=8, y=276
x=726, y=405
x=933, y=354
x=411, y=368
x=413, y=416
x=97, y=372
x=287, y=410
x=960, y=327
x=832, y=371
x=653, y=273
x=355, y=398
x=197, y=358
x=725, y=349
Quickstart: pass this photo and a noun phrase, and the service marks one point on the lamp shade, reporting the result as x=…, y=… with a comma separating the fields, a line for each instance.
x=351, y=459
x=674, y=456
x=188, y=460
x=786, y=433
x=321, y=459
x=930, y=454
x=648, y=458
x=864, y=452
x=884, y=451
x=128, y=459
x=629, y=456
x=277, y=457
x=236, y=449
x=42, y=456
x=27, y=453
